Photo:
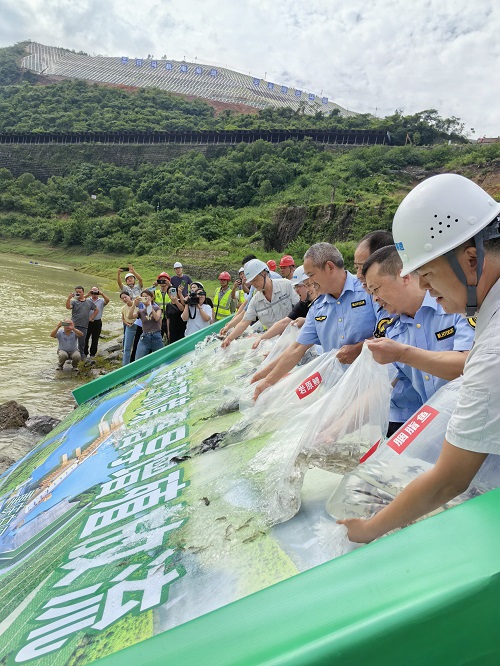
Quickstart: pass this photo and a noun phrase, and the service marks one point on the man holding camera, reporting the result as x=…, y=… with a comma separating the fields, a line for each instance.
x=95, y=325
x=67, y=336
x=83, y=311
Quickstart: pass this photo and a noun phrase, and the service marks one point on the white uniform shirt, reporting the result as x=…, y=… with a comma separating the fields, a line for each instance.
x=267, y=312
x=475, y=423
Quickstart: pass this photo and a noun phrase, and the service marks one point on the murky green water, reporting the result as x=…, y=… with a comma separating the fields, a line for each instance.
x=32, y=301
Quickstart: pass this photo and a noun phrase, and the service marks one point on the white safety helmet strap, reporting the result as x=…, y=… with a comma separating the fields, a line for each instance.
x=436, y=217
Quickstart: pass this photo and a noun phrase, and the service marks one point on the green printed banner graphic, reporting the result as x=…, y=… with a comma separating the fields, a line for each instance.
x=131, y=522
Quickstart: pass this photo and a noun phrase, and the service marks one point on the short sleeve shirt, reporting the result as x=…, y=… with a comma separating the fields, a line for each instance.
x=184, y=280
x=267, y=312
x=81, y=311
x=432, y=329
x=475, y=423
x=300, y=309
x=99, y=302
x=67, y=343
x=334, y=322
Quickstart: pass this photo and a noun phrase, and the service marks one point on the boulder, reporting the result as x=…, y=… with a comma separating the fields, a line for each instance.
x=112, y=348
x=13, y=415
x=42, y=424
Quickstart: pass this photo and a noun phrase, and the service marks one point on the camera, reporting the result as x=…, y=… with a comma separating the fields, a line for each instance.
x=172, y=291
x=143, y=299
x=194, y=299
x=124, y=268
x=94, y=293
x=161, y=282
x=65, y=323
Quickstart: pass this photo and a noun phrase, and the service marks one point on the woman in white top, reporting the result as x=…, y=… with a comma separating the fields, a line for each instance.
x=198, y=314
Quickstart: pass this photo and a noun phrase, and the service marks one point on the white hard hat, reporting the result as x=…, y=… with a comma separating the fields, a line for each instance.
x=299, y=276
x=437, y=216
x=253, y=268
x=177, y=264
x=129, y=275
x=240, y=270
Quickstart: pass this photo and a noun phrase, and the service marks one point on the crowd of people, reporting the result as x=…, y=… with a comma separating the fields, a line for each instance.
x=172, y=308
x=413, y=300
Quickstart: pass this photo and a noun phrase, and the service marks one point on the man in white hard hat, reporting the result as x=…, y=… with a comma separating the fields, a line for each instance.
x=448, y=231
x=298, y=312
x=271, y=302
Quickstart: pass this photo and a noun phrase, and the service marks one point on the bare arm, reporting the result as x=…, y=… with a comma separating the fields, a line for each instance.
x=185, y=312
x=139, y=279
x=285, y=362
x=446, y=365
x=119, y=279
x=236, y=332
x=451, y=476
x=235, y=320
x=105, y=298
x=276, y=329
x=53, y=333
x=68, y=301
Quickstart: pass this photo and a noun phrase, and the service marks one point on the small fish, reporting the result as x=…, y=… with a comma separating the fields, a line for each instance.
x=246, y=524
x=222, y=518
x=254, y=536
x=205, y=500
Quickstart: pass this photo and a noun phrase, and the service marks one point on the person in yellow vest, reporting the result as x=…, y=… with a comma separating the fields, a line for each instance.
x=162, y=298
x=222, y=298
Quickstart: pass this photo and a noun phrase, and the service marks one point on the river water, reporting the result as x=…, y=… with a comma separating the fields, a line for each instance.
x=32, y=301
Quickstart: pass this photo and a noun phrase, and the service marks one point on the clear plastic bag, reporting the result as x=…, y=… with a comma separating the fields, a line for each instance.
x=331, y=433
x=292, y=394
x=282, y=342
x=412, y=450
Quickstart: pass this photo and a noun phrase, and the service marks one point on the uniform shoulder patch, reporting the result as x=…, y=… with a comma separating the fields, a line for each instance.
x=357, y=304
x=472, y=321
x=382, y=324
x=320, y=318
x=446, y=333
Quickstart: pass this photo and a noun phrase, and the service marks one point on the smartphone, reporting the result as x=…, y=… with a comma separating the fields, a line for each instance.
x=124, y=268
x=65, y=323
x=172, y=291
x=143, y=299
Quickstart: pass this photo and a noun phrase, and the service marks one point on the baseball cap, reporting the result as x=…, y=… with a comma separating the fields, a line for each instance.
x=177, y=264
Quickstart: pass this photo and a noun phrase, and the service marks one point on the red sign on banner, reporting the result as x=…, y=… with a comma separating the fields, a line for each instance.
x=308, y=385
x=407, y=433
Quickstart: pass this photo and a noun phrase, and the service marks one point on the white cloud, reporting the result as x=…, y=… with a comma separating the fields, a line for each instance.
x=382, y=55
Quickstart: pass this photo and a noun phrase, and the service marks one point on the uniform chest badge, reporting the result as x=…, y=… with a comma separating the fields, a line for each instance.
x=471, y=321
x=320, y=318
x=446, y=333
x=358, y=304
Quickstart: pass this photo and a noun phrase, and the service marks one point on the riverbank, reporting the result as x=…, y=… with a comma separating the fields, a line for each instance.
x=106, y=265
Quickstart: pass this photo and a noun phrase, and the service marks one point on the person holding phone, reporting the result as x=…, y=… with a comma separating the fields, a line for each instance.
x=95, y=326
x=133, y=281
x=176, y=327
x=150, y=316
x=67, y=336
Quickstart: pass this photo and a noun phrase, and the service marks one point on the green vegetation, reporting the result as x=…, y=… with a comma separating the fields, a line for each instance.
x=227, y=203
x=223, y=202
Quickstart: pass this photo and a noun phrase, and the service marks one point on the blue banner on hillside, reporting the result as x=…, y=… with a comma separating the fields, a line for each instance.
x=270, y=86
x=154, y=64
x=284, y=89
x=256, y=82
x=124, y=60
x=298, y=93
x=198, y=70
x=183, y=68
x=325, y=100
x=213, y=72
x=138, y=62
x=168, y=65
x=312, y=97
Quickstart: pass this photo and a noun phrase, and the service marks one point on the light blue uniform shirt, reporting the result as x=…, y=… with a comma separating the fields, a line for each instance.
x=432, y=329
x=333, y=322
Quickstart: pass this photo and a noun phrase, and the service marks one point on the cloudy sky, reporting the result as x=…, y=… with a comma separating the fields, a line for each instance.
x=370, y=57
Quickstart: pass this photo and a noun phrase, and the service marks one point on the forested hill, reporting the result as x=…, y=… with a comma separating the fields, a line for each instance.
x=27, y=106
x=260, y=196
